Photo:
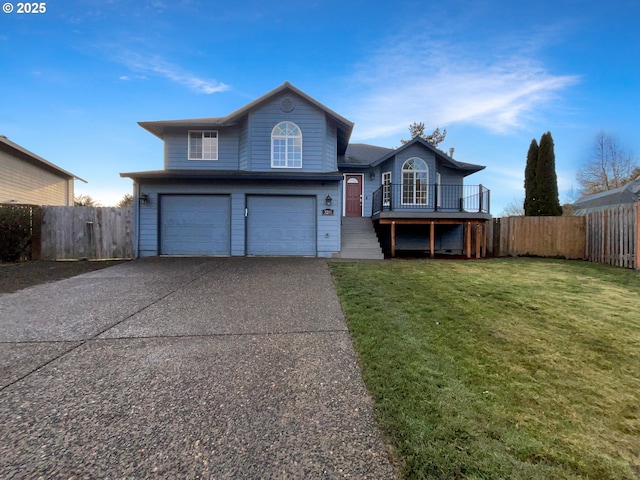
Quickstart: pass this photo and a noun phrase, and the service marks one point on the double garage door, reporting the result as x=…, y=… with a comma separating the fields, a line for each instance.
x=201, y=225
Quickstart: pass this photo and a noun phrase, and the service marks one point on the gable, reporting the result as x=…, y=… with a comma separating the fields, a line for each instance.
x=288, y=107
x=237, y=117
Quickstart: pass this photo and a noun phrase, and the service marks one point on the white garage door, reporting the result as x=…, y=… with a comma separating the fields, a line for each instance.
x=281, y=225
x=195, y=225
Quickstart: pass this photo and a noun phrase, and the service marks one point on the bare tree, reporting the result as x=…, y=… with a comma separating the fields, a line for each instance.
x=85, y=201
x=515, y=208
x=125, y=201
x=610, y=166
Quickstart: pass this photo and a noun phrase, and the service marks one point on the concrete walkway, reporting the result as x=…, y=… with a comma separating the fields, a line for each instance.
x=184, y=368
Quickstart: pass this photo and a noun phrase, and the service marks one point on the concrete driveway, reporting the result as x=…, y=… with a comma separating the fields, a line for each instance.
x=184, y=368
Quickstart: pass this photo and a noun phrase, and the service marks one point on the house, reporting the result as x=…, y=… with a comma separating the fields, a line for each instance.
x=417, y=199
x=29, y=179
x=279, y=177
x=629, y=193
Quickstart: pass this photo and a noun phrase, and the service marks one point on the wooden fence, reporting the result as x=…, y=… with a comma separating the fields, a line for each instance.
x=86, y=232
x=613, y=236
x=558, y=237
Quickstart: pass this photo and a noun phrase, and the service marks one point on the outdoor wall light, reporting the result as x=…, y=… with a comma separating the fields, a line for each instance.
x=143, y=198
x=328, y=200
x=372, y=175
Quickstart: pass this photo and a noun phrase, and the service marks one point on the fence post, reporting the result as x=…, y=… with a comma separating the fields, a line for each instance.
x=480, y=199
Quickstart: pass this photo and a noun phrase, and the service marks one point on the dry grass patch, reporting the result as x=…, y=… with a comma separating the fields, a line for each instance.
x=516, y=368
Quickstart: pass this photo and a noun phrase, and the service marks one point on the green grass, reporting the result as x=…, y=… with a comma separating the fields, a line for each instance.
x=506, y=368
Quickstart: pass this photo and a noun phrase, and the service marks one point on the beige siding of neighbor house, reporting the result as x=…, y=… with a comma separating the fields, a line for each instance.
x=22, y=182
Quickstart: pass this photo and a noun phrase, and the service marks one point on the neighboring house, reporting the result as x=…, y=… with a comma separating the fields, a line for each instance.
x=629, y=193
x=29, y=179
x=277, y=176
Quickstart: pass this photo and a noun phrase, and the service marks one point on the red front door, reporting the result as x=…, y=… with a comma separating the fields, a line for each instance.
x=353, y=195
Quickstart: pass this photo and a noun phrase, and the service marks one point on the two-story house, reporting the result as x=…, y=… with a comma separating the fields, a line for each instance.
x=278, y=177
x=30, y=179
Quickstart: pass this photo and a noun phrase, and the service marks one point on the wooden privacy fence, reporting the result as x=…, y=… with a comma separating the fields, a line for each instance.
x=86, y=232
x=558, y=237
x=613, y=236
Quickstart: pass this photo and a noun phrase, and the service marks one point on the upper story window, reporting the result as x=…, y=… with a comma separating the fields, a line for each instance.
x=203, y=145
x=415, y=181
x=286, y=146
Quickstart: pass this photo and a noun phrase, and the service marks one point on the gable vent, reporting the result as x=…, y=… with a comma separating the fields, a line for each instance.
x=287, y=105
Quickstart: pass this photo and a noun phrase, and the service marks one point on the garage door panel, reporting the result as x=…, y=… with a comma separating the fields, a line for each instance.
x=281, y=225
x=195, y=225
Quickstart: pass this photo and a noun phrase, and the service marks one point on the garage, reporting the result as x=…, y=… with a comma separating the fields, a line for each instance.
x=281, y=225
x=195, y=225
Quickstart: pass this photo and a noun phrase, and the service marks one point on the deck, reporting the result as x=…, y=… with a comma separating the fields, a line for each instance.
x=432, y=206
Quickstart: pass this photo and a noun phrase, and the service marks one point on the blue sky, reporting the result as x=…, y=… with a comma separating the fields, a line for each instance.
x=495, y=74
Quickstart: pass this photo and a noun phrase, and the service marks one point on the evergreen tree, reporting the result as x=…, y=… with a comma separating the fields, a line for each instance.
x=530, y=188
x=417, y=130
x=547, y=200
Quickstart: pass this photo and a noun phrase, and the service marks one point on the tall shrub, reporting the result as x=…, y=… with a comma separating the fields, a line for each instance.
x=15, y=233
x=530, y=186
x=548, y=202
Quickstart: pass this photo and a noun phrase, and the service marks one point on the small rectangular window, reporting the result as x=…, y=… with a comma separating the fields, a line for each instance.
x=203, y=145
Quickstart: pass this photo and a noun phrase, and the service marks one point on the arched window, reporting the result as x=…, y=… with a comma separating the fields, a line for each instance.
x=415, y=181
x=286, y=146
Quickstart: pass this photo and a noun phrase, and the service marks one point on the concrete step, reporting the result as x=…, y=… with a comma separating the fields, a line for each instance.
x=359, y=240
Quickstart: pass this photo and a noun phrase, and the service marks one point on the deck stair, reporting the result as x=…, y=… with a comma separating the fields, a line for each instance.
x=359, y=240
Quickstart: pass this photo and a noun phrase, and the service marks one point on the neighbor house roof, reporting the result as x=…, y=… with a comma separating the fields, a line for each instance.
x=16, y=150
x=629, y=193
x=345, y=127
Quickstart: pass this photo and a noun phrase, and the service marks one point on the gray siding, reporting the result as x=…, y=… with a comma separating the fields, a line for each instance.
x=448, y=176
x=331, y=147
x=328, y=226
x=415, y=150
x=177, y=144
x=244, y=149
x=306, y=116
x=248, y=146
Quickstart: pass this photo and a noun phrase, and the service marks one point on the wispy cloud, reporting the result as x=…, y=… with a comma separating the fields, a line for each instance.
x=154, y=65
x=441, y=84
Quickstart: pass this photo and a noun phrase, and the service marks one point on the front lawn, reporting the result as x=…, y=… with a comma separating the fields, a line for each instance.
x=505, y=368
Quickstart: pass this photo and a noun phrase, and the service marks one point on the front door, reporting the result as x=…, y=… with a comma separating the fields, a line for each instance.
x=353, y=196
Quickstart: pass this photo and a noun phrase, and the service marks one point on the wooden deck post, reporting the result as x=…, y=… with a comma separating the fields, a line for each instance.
x=432, y=238
x=478, y=241
x=468, y=248
x=393, y=239
x=484, y=239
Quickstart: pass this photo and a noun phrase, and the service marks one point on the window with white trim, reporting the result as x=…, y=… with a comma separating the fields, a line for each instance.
x=386, y=189
x=203, y=145
x=415, y=181
x=286, y=146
